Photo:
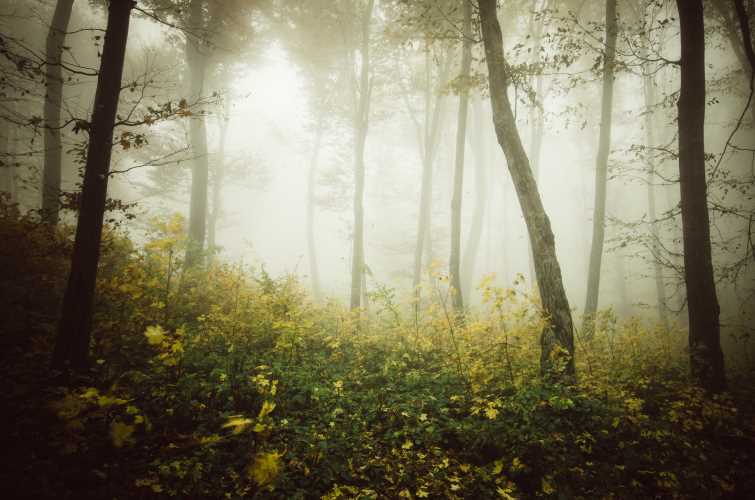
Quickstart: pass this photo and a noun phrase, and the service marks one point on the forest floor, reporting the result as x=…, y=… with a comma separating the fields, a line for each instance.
x=231, y=384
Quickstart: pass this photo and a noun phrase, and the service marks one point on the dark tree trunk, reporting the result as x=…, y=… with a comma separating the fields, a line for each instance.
x=706, y=358
x=7, y=161
x=361, y=123
x=461, y=132
x=314, y=270
x=197, y=62
x=601, y=169
x=557, y=339
x=472, y=246
x=74, y=329
x=51, y=172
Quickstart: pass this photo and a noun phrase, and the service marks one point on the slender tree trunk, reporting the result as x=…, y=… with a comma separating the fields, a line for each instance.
x=472, y=246
x=557, y=339
x=738, y=45
x=461, y=132
x=311, y=207
x=197, y=62
x=601, y=170
x=655, y=247
x=217, y=187
x=7, y=162
x=706, y=358
x=74, y=329
x=430, y=143
x=361, y=124
x=51, y=172
x=538, y=120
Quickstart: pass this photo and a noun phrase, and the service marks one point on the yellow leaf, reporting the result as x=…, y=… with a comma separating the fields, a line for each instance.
x=120, y=433
x=407, y=445
x=267, y=407
x=497, y=467
x=491, y=412
x=155, y=335
x=546, y=485
x=237, y=423
x=264, y=468
x=422, y=493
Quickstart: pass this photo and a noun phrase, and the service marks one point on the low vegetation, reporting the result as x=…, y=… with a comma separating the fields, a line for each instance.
x=233, y=383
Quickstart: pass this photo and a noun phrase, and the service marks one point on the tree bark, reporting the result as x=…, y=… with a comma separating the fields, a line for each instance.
x=51, y=172
x=461, y=132
x=314, y=270
x=655, y=247
x=217, y=186
x=74, y=329
x=706, y=358
x=472, y=246
x=361, y=124
x=738, y=45
x=430, y=143
x=557, y=339
x=601, y=170
x=197, y=62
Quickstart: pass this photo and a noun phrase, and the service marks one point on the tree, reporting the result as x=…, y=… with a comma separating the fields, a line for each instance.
x=706, y=357
x=74, y=328
x=557, y=339
x=461, y=132
x=51, y=172
x=361, y=125
x=601, y=169
x=197, y=62
x=479, y=145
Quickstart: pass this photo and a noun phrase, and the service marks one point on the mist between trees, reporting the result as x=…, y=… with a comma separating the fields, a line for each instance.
x=556, y=193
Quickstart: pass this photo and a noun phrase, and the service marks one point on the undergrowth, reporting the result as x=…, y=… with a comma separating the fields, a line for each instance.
x=233, y=384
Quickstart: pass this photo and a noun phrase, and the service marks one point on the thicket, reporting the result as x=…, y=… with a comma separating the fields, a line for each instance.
x=232, y=383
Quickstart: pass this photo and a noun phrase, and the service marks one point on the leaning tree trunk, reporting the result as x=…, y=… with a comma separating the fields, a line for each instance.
x=314, y=270
x=361, y=123
x=51, y=171
x=601, y=170
x=706, y=358
x=197, y=62
x=461, y=132
x=74, y=329
x=557, y=339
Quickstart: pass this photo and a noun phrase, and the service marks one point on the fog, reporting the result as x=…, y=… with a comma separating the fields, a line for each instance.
x=263, y=72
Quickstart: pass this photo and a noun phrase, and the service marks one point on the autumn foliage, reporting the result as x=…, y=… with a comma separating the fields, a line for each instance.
x=232, y=383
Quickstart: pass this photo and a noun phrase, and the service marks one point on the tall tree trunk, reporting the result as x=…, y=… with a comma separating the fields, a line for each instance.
x=430, y=143
x=557, y=339
x=314, y=270
x=217, y=186
x=461, y=132
x=738, y=45
x=361, y=124
x=51, y=172
x=197, y=62
x=537, y=128
x=7, y=162
x=601, y=169
x=472, y=246
x=706, y=358
x=74, y=329
x=655, y=247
